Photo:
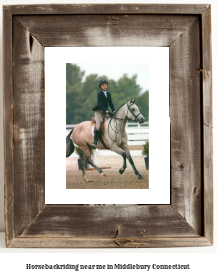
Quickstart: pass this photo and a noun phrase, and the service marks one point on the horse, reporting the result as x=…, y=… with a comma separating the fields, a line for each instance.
x=114, y=137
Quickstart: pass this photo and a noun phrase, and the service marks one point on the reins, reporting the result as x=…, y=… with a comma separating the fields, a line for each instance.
x=115, y=124
x=116, y=131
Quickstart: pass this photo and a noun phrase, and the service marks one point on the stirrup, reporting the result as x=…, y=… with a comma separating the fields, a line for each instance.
x=95, y=141
x=94, y=145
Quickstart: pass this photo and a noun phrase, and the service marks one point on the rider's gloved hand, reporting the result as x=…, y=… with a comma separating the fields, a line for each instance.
x=110, y=113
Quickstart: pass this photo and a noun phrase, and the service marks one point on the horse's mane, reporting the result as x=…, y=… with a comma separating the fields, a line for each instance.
x=120, y=107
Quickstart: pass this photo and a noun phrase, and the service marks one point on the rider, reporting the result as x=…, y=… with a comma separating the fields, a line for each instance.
x=103, y=101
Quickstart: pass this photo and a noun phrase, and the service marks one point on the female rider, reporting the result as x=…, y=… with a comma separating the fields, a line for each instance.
x=104, y=100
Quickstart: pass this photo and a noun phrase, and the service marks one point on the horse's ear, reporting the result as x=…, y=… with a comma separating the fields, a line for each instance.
x=132, y=100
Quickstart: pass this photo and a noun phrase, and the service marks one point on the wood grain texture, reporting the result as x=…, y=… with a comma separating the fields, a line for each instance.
x=116, y=30
x=207, y=67
x=106, y=9
x=207, y=123
x=92, y=242
x=29, y=130
x=186, y=126
x=208, y=183
x=109, y=222
x=186, y=30
x=8, y=125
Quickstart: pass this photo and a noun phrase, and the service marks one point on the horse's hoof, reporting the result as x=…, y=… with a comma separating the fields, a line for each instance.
x=86, y=179
x=103, y=175
x=121, y=171
x=140, y=177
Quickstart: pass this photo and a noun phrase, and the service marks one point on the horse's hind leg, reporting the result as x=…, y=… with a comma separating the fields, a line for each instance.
x=90, y=161
x=87, y=154
x=83, y=163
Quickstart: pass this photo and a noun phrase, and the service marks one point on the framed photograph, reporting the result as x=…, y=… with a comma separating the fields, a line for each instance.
x=169, y=205
x=75, y=109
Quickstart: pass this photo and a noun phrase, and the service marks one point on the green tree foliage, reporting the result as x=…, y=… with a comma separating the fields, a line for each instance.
x=81, y=96
x=73, y=74
x=143, y=103
x=73, y=93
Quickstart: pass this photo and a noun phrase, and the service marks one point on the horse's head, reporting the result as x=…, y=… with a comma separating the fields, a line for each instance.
x=133, y=113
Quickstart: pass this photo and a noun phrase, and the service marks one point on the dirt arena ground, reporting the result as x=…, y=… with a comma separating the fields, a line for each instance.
x=113, y=180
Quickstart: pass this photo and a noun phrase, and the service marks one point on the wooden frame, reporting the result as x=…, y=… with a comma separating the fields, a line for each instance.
x=188, y=220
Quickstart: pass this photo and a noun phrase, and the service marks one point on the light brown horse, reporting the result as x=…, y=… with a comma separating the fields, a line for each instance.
x=114, y=137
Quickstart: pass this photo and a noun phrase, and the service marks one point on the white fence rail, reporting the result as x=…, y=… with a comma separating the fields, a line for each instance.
x=137, y=136
x=128, y=125
x=137, y=125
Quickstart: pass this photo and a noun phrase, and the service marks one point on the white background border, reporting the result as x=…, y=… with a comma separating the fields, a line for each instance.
x=159, y=125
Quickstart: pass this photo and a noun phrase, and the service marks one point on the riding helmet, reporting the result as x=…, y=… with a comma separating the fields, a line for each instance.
x=102, y=81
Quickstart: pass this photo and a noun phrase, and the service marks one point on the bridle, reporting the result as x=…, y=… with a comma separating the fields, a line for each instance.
x=121, y=120
x=128, y=106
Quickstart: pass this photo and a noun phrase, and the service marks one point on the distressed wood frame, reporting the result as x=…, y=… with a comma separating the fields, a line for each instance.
x=186, y=30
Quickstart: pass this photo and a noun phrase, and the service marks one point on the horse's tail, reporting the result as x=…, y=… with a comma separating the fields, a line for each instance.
x=70, y=133
x=69, y=144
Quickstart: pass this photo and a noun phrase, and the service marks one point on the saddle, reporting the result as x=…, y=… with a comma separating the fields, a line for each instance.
x=102, y=125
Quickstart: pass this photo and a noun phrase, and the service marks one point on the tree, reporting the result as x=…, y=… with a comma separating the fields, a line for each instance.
x=73, y=74
x=124, y=89
x=73, y=93
x=81, y=96
x=143, y=104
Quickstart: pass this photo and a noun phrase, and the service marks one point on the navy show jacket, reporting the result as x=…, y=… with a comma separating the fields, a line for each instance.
x=104, y=102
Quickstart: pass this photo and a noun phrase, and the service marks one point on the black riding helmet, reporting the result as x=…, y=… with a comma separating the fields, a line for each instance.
x=102, y=81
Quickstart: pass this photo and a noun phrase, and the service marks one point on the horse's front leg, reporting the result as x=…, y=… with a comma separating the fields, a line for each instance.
x=129, y=157
x=119, y=151
x=121, y=170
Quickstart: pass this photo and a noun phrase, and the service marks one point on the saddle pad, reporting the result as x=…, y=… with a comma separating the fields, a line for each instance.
x=92, y=131
x=100, y=137
x=102, y=127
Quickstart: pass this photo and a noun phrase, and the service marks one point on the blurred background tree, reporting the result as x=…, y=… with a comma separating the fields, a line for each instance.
x=81, y=96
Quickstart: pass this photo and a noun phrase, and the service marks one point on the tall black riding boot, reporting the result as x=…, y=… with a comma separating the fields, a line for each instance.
x=96, y=136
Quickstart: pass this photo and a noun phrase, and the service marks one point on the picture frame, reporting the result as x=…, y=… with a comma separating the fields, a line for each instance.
x=186, y=30
x=65, y=173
